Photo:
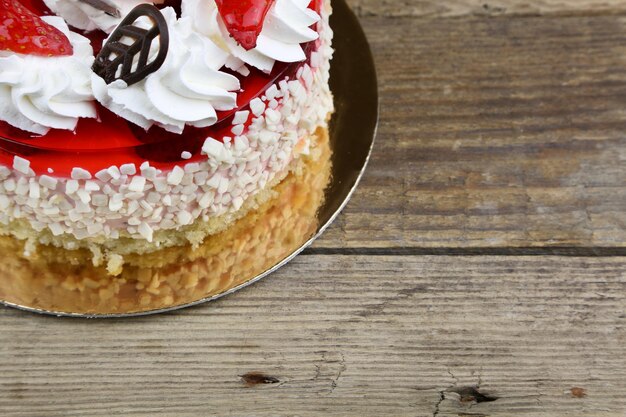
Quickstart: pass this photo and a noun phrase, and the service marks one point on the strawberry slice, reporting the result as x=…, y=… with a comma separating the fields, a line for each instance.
x=244, y=19
x=24, y=32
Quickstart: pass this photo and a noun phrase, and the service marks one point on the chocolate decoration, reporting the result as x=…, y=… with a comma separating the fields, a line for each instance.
x=116, y=59
x=105, y=5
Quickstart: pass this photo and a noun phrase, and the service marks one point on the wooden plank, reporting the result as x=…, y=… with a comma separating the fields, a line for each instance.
x=344, y=336
x=494, y=133
x=456, y=8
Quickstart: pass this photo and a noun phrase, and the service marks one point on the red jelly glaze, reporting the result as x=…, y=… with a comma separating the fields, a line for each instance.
x=111, y=140
x=244, y=19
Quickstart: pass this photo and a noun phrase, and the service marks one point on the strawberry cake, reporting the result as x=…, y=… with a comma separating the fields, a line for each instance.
x=153, y=153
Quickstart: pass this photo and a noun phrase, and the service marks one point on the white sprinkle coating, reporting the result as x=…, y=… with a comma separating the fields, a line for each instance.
x=80, y=174
x=114, y=172
x=153, y=197
x=84, y=195
x=9, y=185
x=48, y=182
x=116, y=204
x=21, y=165
x=71, y=186
x=237, y=202
x=241, y=116
x=99, y=200
x=128, y=169
x=185, y=155
x=91, y=186
x=316, y=59
x=213, y=148
x=34, y=191
x=192, y=168
x=241, y=143
x=237, y=130
x=272, y=92
x=137, y=184
x=119, y=201
x=145, y=231
x=272, y=116
x=148, y=171
x=307, y=76
x=184, y=217
x=175, y=176
x=56, y=229
x=257, y=107
x=103, y=175
x=22, y=187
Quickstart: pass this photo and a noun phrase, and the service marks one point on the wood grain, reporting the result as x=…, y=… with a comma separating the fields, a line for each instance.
x=344, y=336
x=494, y=133
x=502, y=129
x=457, y=8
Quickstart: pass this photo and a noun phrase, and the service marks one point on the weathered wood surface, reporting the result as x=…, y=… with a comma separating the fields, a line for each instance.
x=494, y=132
x=497, y=134
x=345, y=336
x=456, y=8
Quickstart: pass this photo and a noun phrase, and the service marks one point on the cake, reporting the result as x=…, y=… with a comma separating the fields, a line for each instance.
x=153, y=154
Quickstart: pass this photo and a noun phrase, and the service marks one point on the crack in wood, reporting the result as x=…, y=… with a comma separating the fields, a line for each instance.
x=442, y=397
x=342, y=368
x=379, y=308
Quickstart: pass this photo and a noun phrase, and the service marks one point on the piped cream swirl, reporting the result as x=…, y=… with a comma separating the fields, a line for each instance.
x=187, y=89
x=287, y=26
x=83, y=16
x=42, y=93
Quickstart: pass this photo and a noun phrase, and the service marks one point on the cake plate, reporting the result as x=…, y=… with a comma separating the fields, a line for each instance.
x=352, y=132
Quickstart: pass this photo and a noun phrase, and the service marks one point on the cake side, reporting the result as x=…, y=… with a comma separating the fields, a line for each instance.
x=61, y=280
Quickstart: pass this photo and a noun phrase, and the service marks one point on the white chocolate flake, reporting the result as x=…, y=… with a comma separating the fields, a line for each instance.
x=128, y=169
x=80, y=174
x=21, y=165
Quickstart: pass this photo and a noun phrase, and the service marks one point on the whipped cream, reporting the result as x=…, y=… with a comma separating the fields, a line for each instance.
x=86, y=17
x=39, y=93
x=187, y=89
x=287, y=25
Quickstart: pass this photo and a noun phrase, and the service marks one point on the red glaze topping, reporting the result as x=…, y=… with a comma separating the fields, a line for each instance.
x=244, y=19
x=24, y=32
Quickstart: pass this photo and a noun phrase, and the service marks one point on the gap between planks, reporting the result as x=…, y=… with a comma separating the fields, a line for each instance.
x=429, y=9
x=581, y=252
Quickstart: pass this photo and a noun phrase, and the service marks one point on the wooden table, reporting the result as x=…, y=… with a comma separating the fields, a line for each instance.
x=480, y=269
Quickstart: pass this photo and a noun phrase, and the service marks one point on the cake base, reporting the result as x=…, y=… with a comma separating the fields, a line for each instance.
x=57, y=280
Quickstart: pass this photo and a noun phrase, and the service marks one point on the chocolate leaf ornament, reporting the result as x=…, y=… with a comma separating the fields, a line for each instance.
x=129, y=61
